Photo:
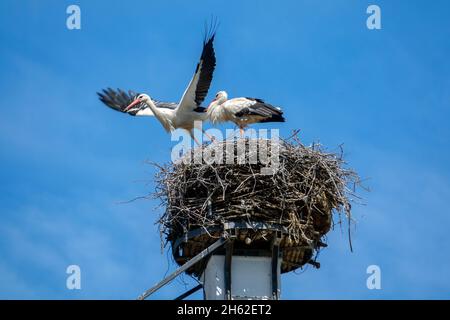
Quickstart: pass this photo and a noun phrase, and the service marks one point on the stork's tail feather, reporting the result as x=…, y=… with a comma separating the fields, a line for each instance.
x=275, y=113
x=268, y=112
x=276, y=117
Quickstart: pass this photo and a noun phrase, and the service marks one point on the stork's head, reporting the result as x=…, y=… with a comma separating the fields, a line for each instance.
x=144, y=97
x=139, y=99
x=221, y=97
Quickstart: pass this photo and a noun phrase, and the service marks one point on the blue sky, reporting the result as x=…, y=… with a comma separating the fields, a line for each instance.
x=67, y=161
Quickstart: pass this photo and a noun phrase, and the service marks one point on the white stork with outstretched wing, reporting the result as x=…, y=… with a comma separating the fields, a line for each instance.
x=187, y=113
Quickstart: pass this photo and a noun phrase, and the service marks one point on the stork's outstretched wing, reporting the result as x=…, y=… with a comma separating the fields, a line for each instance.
x=119, y=100
x=198, y=87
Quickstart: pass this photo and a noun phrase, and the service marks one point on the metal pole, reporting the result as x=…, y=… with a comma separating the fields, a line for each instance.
x=227, y=269
x=184, y=267
x=275, y=267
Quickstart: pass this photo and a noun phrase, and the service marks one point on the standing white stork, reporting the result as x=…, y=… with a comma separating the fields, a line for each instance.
x=242, y=111
x=187, y=113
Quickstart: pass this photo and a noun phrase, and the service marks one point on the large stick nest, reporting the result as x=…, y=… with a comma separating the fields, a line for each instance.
x=308, y=186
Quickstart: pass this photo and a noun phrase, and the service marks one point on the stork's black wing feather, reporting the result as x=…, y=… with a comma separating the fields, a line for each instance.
x=255, y=99
x=119, y=100
x=199, y=85
x=207, y=64
x=263, y=109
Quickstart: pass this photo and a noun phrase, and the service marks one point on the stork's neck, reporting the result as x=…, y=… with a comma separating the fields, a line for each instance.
x=163, y=118
x=156, y=111
x=216, y=112
x=212, y=106
x=216, y=103
x=150, y=103
x=222, y=99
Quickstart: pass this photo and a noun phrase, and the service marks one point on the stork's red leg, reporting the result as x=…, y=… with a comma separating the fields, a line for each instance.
x=191, y=132
x=212, y=138
x=241, y=130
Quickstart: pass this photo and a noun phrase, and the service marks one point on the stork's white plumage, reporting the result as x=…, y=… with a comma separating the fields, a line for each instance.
x=242, y=111
x=187, y=113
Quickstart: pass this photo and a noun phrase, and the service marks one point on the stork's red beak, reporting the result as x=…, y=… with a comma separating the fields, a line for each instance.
x=135, y=102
